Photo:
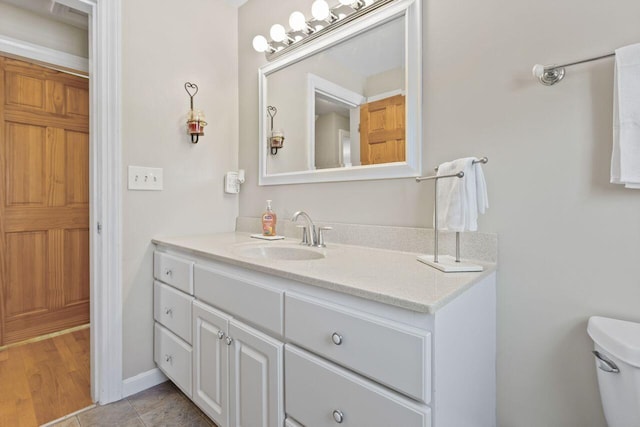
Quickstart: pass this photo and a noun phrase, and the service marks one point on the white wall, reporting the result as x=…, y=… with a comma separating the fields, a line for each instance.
x=166, y=44
x=387, y=81
x=327, y=149
x=569, y=240
x=30, y=27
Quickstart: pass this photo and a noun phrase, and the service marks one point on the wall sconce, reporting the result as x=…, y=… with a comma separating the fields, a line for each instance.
x=276, y=137
x=324, y=19
x=195, y=118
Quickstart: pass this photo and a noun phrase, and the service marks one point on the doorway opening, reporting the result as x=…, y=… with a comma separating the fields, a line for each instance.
x=44, y=242
x=104, y=181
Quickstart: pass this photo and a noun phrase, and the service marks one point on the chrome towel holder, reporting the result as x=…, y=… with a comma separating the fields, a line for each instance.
x=436, y=178
x=549, y=75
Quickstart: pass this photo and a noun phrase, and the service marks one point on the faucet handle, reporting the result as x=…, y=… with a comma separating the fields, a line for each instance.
x=321, y=243
x=305, y=239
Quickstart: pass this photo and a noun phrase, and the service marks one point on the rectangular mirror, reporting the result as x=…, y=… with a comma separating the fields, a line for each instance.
x=347, y=104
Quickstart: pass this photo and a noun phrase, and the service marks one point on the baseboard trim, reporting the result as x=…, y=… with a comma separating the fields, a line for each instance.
x=142, y=382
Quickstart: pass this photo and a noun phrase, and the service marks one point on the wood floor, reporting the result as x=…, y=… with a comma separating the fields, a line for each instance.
x=45, y=380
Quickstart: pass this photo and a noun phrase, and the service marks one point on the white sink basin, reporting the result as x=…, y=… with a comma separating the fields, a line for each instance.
x=283, y=253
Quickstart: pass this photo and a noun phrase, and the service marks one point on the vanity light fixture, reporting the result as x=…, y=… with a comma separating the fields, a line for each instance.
x=324, y=19
x=195, y=118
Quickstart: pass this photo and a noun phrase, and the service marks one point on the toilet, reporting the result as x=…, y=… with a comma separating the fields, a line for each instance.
x=617, y=356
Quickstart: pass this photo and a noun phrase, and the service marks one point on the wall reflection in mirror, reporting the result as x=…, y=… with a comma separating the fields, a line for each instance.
x=344, y=106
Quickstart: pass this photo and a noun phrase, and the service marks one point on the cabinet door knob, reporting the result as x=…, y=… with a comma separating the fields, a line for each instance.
x=336, y=338
x=168, y=311
x=338, y=416
x=168, y=272
x=168, y=359
x=229, y=340
x=220, y=335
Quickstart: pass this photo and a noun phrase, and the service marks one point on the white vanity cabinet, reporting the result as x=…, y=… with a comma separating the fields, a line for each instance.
x=172, y=314
x=270, y=351
x=237, y=375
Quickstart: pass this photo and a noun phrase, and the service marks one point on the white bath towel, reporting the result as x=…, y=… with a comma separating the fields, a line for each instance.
x=625, y=156
x=461, y=199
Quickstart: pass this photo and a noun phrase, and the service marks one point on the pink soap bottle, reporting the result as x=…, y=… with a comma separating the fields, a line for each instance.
x=269, y=221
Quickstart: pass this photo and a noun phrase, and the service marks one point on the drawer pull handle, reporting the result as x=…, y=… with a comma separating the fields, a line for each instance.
x=338, y=416
x=336, y=338
x=168, y=272
x=229, y=340
x=168, y=311
x=168, y=359
x=220, y=335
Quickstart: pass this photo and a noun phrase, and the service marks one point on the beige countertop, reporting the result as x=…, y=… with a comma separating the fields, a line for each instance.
x=390, y=277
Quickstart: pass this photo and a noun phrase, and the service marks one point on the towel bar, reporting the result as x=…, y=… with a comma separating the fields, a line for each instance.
x=436, y=262
x=551, y=74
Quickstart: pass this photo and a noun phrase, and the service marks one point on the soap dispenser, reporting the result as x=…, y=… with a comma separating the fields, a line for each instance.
x=269, y=221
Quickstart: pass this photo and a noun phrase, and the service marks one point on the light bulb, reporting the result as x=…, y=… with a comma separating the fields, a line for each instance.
x=368, y=2
x=320, y=10
x=346, y=2
x=297, y=21
x=260, y=43
x=278, y=33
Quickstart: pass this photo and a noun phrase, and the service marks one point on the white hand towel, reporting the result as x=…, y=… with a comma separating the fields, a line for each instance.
x=481, y=189
x=452, y=202
x=625, y=157
x=460, y=199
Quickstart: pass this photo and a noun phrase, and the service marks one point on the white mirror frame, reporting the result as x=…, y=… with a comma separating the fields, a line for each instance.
x=412, y=167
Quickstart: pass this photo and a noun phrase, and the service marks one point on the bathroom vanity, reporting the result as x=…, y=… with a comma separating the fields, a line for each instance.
x=263, y=333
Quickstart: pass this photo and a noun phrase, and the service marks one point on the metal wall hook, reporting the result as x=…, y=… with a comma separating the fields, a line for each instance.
x=276, y=139
x=271, y=111
x=192, y=90
x=195, y=121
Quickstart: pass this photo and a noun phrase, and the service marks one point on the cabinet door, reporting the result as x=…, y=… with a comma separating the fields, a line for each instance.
x=255, y=376
x=210, y=363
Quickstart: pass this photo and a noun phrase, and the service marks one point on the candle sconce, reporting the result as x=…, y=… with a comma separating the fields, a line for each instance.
x=276, y=137
x=195, y=119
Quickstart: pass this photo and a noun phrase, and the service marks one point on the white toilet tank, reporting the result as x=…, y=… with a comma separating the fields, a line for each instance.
x=617, y=351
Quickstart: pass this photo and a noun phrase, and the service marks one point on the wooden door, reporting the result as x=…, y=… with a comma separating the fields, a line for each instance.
x=44, y=200
x=211, y=363
x=382, y=131
x=255, y=378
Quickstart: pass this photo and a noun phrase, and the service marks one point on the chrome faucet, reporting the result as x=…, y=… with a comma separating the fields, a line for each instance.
x=310, y=236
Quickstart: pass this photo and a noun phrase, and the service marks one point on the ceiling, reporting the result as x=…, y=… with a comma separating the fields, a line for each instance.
x=57, y=10
x=373, y=51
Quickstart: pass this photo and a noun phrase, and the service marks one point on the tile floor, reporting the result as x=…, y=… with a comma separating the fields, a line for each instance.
x=162, y=405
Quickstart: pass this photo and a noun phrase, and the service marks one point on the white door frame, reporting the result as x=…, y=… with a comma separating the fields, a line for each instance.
x=105, y=165
x=106, y=198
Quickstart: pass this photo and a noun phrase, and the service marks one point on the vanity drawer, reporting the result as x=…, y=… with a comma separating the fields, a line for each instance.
x=395, y=355
x=247, y=300
x=175, y=271
x=319, y=393
x=173, y=357
x=172, y=308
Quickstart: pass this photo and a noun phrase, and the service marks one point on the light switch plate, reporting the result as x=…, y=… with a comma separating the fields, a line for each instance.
x=145, y=178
